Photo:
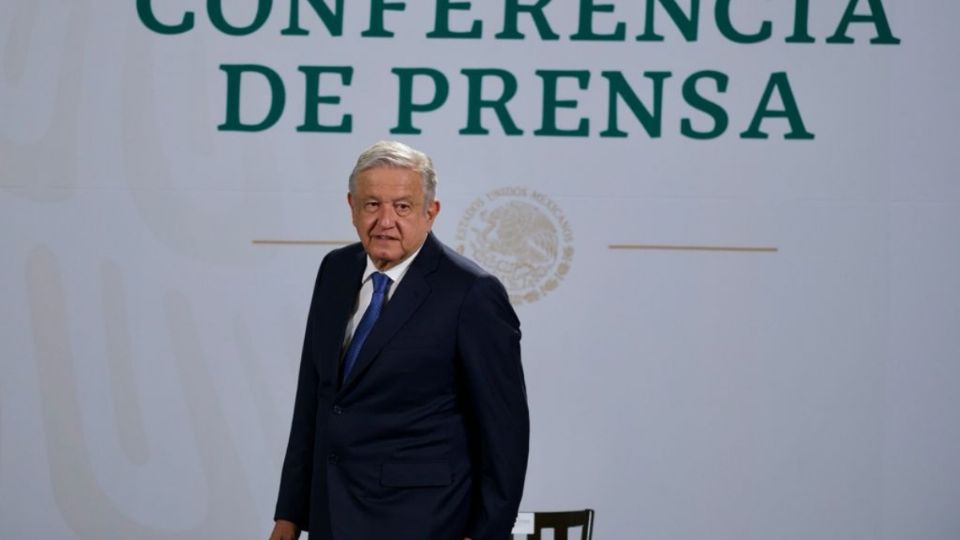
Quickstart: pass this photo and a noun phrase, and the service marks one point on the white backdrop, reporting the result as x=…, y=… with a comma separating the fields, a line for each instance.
x=805, y=387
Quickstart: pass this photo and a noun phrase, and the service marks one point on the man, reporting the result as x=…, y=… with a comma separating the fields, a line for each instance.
x=410, y=420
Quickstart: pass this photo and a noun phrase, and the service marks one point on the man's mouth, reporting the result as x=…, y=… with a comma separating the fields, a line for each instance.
x=383, y=237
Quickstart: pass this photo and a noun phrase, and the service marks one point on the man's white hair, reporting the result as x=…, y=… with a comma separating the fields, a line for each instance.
x=397, y=155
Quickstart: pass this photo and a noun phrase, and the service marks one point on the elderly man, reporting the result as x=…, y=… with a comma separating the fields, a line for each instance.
x=410, y=420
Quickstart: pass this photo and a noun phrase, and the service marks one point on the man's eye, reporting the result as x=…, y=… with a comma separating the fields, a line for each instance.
x=402, y=207
x=371, y=206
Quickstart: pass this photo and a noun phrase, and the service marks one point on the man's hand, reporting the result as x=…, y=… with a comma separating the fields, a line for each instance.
x=285, y=530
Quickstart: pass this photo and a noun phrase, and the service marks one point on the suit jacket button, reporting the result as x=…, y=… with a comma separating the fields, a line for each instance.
x=337, y=410
x=332, y=458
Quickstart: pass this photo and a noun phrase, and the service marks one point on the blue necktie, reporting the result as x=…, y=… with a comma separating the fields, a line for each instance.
x=380, y=284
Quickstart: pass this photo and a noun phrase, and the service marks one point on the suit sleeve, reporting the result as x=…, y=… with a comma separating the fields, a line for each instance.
x=293, y=501
x=489, y=343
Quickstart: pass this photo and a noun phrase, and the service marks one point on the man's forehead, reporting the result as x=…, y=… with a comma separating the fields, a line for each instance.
x=389, y=178
x=388, y=197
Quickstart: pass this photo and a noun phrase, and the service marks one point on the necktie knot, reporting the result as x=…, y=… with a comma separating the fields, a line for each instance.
x=380, y=282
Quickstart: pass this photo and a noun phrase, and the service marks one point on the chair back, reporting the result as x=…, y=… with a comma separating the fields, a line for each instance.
x=560, y=522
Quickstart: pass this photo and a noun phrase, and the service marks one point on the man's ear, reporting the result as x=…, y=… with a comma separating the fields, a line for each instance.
x=353, y=213
x=433, y=209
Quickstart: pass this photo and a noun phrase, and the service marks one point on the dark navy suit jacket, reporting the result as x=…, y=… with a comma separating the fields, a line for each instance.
x=427, y=439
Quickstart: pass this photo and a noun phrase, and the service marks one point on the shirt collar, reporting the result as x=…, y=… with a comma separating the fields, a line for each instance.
x=396, y=273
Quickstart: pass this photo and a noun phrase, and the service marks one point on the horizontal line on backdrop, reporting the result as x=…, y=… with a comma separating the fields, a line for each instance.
x=303, y=242
x=678, y=247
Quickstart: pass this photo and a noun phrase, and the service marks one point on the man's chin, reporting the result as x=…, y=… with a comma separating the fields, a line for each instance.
x=384, y=260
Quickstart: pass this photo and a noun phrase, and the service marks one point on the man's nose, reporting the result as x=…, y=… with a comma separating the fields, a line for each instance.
x=387, y=216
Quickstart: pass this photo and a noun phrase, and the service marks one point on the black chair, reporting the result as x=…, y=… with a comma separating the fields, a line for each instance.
x=561, y=521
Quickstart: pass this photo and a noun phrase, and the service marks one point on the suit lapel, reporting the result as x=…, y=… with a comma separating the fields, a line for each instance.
x=410, y=293
x=341, y=308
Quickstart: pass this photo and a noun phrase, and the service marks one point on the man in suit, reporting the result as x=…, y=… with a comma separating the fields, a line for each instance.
x=410, y=420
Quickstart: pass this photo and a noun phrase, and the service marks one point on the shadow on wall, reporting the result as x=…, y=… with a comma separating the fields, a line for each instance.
x=85, y=507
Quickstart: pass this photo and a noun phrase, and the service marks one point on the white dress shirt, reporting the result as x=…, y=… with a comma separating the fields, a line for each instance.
x=366, y=290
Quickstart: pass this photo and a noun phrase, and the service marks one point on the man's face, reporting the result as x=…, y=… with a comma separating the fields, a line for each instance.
x=389, y=214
